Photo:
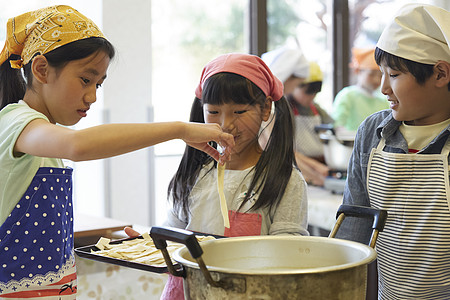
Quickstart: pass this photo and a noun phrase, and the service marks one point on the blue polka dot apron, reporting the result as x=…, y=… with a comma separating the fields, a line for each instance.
x=36, y=241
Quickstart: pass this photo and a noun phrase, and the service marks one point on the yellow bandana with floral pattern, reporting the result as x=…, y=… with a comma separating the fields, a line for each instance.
x=43, y=30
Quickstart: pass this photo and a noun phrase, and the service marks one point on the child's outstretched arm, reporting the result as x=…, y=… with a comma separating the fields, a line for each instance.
x=41, y=138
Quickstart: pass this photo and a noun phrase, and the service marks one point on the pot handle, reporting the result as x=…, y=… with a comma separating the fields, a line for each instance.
x=162, y=234
x=379, y=217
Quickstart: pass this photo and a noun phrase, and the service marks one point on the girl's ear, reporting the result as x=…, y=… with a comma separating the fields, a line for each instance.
x=40, y=68
x=442, y=71
x=267, y=108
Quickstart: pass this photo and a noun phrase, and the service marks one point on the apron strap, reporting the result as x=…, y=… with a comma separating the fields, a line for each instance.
x=446, y=148
x=381, y=144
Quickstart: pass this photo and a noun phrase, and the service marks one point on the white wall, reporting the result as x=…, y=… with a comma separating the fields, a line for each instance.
x=129, y=184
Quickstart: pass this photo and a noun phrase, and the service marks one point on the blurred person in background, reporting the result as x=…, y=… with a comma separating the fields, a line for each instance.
x=356, y=102
x=308, y=114
x=299, y=76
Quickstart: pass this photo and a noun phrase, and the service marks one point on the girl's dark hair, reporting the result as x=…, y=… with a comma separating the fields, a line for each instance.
x=312, y=87
x=272, y=171
x=13, y=84
x=420, y=71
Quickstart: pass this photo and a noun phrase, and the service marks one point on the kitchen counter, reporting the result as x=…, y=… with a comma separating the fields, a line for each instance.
x=85, y=225
x=322, y=208
x=88, y=229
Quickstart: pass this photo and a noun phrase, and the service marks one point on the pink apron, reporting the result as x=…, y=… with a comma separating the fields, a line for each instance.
x=36, y=240
x=243, y=224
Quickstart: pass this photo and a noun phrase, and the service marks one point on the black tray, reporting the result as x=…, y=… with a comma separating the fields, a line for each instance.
x=85, y=252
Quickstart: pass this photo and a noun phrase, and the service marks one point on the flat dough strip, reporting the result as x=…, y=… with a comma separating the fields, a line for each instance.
x=223, y=201
x=139, y=250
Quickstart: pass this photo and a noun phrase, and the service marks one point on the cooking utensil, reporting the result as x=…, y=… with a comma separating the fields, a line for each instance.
x=337, y=147
x=270, y=267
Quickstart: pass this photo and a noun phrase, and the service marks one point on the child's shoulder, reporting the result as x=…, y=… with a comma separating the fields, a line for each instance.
x=378, y=119
x=347, y=91
x=18, y=115
x=16, y=110
x=370, y=129
x=296, y=176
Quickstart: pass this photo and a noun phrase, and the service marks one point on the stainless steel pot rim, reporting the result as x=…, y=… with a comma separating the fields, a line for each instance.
x=368, y=252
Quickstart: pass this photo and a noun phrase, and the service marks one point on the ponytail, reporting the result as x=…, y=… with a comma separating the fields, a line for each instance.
x=12, y=83
x=278, y=158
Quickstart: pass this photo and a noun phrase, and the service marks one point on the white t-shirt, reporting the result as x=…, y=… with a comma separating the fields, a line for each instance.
x=17, y=172
x=288, y=217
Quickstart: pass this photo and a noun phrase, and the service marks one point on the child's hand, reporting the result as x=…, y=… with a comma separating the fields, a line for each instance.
x=131, y=232
x=198, y=135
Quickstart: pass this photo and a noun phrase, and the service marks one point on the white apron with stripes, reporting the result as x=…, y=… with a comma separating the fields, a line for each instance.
x=414, y=248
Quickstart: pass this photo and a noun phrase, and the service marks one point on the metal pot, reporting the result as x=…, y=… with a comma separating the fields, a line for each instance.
x=268, y=267
x=337, y=147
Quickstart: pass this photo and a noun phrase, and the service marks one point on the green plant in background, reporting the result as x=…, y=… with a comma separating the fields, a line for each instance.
x=282, y=21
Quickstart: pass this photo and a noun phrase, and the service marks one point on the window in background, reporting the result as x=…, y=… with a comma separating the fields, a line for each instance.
x=185, y=36
x=368, y=18
x=306, y=23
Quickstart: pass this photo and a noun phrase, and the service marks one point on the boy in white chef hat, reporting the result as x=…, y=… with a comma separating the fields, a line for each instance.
x=400, y=160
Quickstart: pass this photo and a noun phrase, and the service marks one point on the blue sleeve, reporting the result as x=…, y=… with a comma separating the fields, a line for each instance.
x=355, y=192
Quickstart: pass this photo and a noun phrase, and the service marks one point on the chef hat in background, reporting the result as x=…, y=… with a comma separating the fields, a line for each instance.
x=418, y=32
x=249, y=66
x=315, y=73
x=43, y=30
x=364, y=58
x=286, y=62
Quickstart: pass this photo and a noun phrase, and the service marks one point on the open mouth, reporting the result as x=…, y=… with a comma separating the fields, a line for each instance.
x=393, y=103
x=82, y=112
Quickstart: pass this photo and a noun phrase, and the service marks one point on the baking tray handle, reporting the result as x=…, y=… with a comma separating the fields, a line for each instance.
x=162, y=234
x=379, y=217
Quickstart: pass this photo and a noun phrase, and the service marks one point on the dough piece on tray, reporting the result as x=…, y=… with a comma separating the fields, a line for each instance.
x=139, y=250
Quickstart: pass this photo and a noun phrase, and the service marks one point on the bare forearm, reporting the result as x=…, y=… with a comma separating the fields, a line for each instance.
x=114, y=139
x=41, y=138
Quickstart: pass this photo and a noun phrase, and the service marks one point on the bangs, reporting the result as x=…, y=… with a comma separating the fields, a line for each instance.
x=419, y=70
x=392, y=61
x=224, y=88
x=312, y=87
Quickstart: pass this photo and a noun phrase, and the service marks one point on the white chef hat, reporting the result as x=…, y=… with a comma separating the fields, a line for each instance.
x=285, y=61
x=418, y=32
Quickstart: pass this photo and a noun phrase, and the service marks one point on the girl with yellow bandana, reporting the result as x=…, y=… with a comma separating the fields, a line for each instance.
x=65, y=58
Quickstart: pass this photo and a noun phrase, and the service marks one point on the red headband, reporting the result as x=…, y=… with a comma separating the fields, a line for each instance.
x=246, y=65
